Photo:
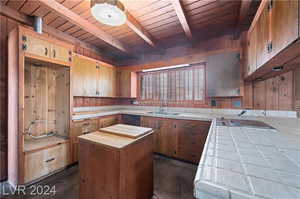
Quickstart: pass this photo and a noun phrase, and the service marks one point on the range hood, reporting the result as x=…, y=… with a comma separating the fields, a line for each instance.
x=223, y=75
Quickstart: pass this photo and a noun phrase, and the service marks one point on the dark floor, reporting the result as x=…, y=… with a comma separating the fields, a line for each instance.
x=172, y=180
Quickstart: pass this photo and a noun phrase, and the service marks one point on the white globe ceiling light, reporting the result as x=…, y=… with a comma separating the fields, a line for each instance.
x=109, y=12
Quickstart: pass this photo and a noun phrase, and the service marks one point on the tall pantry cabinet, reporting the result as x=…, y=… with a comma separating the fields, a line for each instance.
x=39, y=105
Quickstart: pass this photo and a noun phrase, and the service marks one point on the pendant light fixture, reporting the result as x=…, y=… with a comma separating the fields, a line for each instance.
x=109, y=12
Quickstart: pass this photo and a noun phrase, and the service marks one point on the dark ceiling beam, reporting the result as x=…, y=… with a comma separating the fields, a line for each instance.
x=182, y=18
x=134, y=25
x=244, y=10
x=84, y=24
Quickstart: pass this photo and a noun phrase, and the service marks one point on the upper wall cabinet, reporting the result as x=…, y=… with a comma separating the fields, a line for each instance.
x=85, y=76
x=45, y=49
x=107, y=81
x=127, y=84
x=92, y=78
x=274, y=29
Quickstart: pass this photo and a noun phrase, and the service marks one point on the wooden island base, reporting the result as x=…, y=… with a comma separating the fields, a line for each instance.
x=115, y=167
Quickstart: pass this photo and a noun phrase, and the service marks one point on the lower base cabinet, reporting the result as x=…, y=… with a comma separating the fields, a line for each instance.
x=181, y=139
x=85, y=126
x=108, y=171
x=43, y=162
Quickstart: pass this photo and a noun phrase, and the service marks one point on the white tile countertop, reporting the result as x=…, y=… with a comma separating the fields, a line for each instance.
x=240, y=163
x=237, y=162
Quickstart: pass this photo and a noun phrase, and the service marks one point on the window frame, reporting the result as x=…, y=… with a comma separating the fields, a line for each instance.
x=175, y=102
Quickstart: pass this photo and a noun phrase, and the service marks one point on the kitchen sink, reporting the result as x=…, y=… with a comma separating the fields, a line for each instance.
x=163, y=113
x=243, y=123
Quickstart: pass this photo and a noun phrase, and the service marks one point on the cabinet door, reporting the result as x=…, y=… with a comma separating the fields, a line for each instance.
x=43, y=162
x=107, y=81
x=127, y=84
x=75, y=132
x=252, y=39
x=36, y=46
x=84, y=77
x=285, y=25
x=152, y=122
x=263, y=30
x=191, y=139
x=167, y=137
x=108, y=121
x=61, y=53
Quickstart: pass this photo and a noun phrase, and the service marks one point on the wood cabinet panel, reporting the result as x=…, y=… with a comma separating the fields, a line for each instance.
x=107, y=81
x=36, y=46
x=152, y=122
x=61, y=53
x=259, y=97
x=85, y=76
x=272, y=94
x=108, y=121
x=284, y=24
x=251, y=58
x=43, y=162
x=79, y=128
x=285, y=90
x=191, y=139
x=263, y=37
x=248, y=95
x=127, y=84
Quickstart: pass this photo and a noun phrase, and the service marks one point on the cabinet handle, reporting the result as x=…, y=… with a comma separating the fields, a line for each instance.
x=54, y=53
x=50, y=160
x=46, y=51
x=70, y=59
x=70, y=52
x=24, y=38
x=175, y=152
x=24, y=47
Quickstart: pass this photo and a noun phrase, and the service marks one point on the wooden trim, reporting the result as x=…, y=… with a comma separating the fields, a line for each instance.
x=134, y=25
x=182, y=18
x=67, y=14
x=46, y=147
x=244, y=9
x=260, y=9
x=91, y=59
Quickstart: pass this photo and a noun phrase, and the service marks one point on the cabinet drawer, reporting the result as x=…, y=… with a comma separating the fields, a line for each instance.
x=108, y=121
x=36, y=46
x=61, y=53
x=90, y=125
x=43, y=162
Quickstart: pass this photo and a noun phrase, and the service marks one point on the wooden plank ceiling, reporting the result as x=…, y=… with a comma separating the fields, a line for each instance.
x=153, y=20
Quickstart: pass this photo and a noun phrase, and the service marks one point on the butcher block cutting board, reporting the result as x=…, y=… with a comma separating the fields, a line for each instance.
x=126, y=130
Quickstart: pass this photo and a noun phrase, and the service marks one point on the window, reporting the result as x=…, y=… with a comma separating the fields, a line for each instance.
x=184, y=85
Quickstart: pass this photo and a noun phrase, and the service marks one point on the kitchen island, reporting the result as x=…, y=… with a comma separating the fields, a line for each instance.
x=116, y=165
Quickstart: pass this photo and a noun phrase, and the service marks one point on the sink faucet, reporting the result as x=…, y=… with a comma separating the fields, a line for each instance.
x=242, y=113
x=161, y=106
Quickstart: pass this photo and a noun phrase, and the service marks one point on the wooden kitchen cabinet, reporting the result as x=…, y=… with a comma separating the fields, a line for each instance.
x=92, y=78
x=127, y=84
x=276, y=28
x=39, y=102
x=251, y=58
x=81, y=127
x=37, y=46
x=191, y=139
x=108, y=121
x=41, y=163
x=262, y=41
x=165, y=135
x=61, y=53
x=182, y=139
x=284, y=24
x=107, y=85
x=85, y=76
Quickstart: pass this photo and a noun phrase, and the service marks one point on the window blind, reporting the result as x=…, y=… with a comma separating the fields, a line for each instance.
x=173, y=85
